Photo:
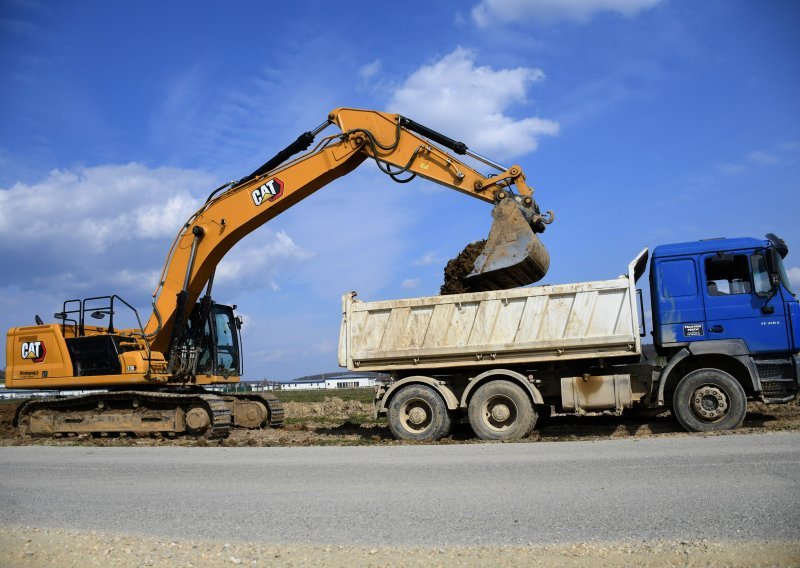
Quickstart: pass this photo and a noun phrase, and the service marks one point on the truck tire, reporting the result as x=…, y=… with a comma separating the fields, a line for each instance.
x=501, y=411
x=418, y=413
x=707, y=400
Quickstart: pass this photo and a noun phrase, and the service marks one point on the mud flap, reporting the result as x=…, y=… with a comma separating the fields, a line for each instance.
x=513, y=255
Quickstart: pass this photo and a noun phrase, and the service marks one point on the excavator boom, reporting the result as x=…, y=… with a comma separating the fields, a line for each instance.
x=403, y=149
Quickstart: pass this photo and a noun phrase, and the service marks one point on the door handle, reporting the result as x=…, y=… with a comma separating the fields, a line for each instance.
x=767, y=309
x=716, y=329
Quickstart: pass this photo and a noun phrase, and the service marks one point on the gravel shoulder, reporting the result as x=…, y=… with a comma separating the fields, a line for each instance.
x=29, y=547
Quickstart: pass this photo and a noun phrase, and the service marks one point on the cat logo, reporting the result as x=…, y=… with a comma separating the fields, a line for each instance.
x=270, y=191
x=34, y=351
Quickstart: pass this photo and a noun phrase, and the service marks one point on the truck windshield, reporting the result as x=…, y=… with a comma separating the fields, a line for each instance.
x=784, y=275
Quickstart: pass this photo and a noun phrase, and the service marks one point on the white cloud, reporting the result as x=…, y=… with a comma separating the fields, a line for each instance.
x=107, y=229
x=498, y=12
x=763, y=158
x=99, y=227
x=259, y=259
x=427, y=259
x=782, y=154
x=410, y=283
x=731, y=169
x=794, y=277
x=470, y=102
x=136, y=278
x=370, y=69
x=99, y=207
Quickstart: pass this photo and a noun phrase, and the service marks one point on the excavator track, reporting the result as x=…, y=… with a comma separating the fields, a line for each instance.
x=128, y=412
x=273, y=405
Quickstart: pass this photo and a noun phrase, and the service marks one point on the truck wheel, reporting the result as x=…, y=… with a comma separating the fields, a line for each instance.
x=418, y=413
x=501, y=410
x=709, y=399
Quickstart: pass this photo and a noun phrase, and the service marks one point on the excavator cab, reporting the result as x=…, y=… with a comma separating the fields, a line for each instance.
x=220, y=352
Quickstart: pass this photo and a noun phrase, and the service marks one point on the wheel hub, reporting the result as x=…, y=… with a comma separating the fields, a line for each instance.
x=709, y=402
x=417, y=415
x=501, y=413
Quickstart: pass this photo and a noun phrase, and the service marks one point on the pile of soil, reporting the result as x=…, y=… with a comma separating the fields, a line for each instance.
x=8, y=409
x=457, y=269
x=333, y=408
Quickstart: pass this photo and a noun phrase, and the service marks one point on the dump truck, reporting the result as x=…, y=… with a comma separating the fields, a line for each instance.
x=726, y=329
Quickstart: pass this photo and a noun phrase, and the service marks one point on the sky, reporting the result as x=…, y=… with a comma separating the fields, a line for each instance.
x=638, y=122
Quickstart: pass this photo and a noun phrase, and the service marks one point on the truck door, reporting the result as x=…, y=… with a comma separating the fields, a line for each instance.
x=740, y=302
x=677, y=296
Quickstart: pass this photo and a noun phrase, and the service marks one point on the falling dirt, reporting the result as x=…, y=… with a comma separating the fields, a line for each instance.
x=457, y=269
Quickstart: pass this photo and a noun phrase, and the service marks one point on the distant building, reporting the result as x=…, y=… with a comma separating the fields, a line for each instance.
x=30, y=393
x=341, y=380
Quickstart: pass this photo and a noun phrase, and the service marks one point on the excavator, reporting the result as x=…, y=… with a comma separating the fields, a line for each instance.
x=152, y=378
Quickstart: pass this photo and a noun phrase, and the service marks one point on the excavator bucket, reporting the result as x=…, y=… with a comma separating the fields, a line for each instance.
x=513, y=255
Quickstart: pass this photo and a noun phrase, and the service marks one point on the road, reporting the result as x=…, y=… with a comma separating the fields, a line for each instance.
x=686, y=487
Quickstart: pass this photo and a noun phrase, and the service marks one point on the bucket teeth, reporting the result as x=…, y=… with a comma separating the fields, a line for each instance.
x=513, y=255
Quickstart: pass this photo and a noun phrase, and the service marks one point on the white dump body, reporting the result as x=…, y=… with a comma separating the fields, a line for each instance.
x=523, y=325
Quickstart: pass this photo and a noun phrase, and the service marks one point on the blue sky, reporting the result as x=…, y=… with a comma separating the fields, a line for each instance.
x=639, y=122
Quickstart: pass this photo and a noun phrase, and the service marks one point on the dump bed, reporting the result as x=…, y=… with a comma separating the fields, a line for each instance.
x=521, y=325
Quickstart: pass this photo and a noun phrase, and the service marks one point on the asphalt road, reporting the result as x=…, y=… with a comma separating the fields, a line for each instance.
x=687, y=487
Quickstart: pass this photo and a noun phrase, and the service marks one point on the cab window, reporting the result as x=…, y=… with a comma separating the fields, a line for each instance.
x=761, y=281
x=728, y=275
x=227, y=344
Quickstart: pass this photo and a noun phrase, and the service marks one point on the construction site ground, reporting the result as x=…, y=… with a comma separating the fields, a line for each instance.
x=317, y=418
x=322, y=418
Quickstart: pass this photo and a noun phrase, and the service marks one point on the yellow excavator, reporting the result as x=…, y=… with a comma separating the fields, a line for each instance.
x=152, y=376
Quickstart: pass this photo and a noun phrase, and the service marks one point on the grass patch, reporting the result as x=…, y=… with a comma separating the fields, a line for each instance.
x=364, y=395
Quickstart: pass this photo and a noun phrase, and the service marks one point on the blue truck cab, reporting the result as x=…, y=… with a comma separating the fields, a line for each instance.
x=726, y=307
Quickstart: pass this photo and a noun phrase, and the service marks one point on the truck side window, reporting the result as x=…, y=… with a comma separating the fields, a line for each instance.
x=761, y=281
x=678, y=278
x=727, y=276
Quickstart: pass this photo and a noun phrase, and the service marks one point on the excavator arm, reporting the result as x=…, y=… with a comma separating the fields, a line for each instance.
x=402, y=149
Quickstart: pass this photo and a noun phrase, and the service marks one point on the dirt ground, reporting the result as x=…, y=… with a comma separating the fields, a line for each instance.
x=58, y=548
x=337, y=422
